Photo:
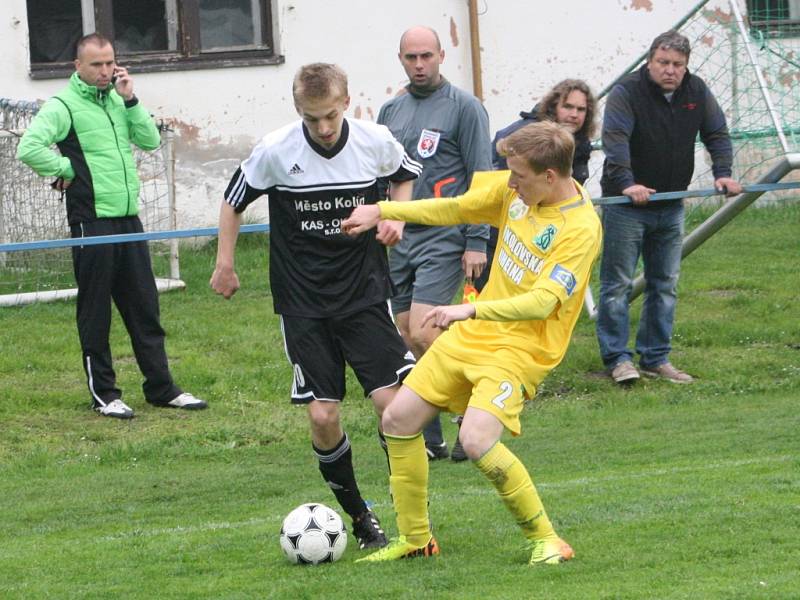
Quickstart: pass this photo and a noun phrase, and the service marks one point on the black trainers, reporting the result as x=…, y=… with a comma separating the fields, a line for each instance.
x=458, y=454
x=368, y=532
x=436, y=451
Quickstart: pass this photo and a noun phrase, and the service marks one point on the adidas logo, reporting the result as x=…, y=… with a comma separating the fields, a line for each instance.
x=296, y=170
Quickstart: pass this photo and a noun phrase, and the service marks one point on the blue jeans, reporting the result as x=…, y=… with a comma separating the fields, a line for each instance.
x=655, y=233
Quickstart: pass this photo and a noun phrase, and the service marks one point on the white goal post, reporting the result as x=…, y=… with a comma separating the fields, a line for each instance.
x=31, y=211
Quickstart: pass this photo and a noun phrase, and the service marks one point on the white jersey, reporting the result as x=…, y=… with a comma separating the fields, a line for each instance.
x=315, y=269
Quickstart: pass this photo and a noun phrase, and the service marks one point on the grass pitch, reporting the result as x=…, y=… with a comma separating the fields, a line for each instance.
x=664, y=491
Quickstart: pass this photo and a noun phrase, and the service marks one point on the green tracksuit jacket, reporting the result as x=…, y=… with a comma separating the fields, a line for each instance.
x=94, y=130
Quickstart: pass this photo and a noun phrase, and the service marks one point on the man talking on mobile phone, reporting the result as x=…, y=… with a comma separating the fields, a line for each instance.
x=93, y=121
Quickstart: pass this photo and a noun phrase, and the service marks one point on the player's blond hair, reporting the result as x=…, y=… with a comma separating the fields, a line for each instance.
x=317, y=81
x=543, y=145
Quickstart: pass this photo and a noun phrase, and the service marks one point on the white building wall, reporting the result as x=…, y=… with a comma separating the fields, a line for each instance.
x=220, y=114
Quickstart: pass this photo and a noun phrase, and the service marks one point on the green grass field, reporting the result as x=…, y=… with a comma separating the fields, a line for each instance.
x=664, y=491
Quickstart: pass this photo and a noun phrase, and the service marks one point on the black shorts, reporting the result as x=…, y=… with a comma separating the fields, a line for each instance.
x=367, y=340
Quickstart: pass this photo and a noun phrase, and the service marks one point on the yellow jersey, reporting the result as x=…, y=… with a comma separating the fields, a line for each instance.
x=539, y=247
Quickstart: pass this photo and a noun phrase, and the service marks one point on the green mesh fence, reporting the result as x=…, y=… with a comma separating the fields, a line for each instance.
x=774, y=18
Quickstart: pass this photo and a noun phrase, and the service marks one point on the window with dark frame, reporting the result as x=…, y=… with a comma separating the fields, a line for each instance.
x=774, y=18
x=153, y=35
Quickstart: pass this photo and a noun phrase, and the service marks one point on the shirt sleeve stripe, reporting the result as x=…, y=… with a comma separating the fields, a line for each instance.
x=235, y=191
x=410, y=164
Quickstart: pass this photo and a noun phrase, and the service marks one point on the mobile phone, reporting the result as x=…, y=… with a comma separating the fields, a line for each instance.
x=113, y=79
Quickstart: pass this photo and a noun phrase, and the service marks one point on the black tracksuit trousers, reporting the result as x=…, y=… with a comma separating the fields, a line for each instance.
x=121, y=272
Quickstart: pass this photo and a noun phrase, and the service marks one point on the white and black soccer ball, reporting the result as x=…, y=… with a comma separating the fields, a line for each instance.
x=312, y=534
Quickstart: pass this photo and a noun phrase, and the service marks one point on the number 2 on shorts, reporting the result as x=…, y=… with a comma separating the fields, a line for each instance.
x=506, y=389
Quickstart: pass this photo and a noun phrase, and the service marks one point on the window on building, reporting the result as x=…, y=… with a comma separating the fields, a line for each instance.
x=54, y=27
x=153, y=35
x=774, y=18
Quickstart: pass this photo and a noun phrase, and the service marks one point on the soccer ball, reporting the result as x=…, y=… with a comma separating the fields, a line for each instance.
x=312, y=534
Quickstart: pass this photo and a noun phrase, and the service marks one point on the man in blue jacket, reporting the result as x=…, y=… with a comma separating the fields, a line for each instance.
x=570, y=103
x=651, y=121
x=93, y=121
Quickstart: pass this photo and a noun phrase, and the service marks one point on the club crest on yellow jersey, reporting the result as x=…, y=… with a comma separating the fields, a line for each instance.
x=517, y=209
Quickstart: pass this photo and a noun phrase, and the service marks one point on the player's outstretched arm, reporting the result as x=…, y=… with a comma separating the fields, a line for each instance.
x=443, y=316
x=224, y=280
x=362, y=218
x=391, y=232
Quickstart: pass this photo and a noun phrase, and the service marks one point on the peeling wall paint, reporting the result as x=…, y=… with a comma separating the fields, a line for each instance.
x=453, y=33
x=642, y=5
x=218, y=115
x=719, y=15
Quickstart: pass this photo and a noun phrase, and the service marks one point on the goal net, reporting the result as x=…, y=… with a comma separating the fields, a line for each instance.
x=31, y=211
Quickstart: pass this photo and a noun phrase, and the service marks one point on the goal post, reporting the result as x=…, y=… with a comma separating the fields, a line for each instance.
x=31, y=211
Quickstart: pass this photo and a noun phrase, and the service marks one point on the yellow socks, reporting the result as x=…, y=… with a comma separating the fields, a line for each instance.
x=510, y=477
x=408, y=482
x=409, y=486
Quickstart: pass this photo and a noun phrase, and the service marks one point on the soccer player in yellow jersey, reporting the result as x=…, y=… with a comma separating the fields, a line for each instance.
x=497, y=350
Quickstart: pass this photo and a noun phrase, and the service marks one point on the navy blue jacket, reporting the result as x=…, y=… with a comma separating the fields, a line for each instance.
x=650, y=140
x=583, y=147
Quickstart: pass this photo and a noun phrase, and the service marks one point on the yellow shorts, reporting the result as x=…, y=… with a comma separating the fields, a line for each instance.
x=451, y=384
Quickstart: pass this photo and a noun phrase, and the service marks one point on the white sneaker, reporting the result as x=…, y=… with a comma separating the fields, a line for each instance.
x=116, y=408
x=187, y=401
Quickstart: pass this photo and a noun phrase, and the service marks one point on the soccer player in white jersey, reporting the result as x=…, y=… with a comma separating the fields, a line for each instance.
x=330, y=290
x=498, y=349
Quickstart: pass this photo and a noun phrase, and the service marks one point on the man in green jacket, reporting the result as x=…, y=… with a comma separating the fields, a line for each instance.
x=93, y=121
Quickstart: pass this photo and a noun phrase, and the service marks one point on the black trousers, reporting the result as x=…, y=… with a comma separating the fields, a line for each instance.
x=121, y=272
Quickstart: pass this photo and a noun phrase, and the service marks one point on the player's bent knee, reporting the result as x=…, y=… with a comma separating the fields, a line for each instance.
x=381, y=398
x=394, y=423
x=474, y=444
x=421, y=339
x=388, y=423
x=323, y=416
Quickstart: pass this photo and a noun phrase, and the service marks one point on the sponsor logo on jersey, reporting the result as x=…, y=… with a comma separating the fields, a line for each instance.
x=517, y=209
x=428, y=143
x=565, y=278
x=512, y=248
x=545, y=239
x=296, y=170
